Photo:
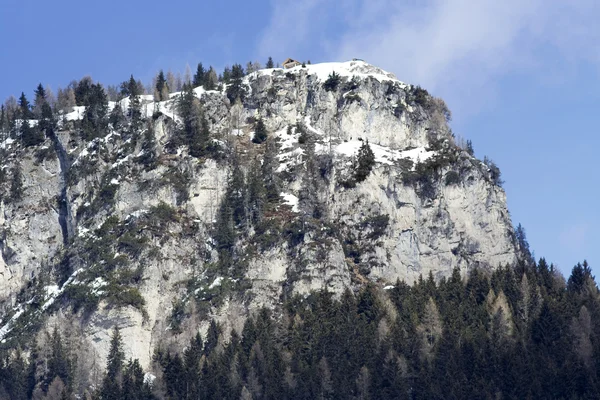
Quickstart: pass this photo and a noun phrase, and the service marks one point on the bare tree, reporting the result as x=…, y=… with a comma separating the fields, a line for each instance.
x=187, y=76
x=430, y=329
x=581, y=327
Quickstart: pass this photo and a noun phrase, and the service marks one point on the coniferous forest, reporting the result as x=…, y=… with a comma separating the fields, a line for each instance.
x=522, y=333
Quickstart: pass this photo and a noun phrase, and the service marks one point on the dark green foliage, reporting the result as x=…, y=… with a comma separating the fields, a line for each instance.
x=114, y=368
x=523, y=246
x=365, y=162
x=116, y=118
x=452, y=178
x=260, y=132
x=270, y=63
x=421, y=96
x=210, y=79
x=83, y=91
x=25, y=108
x=180, y=182
x=332, y=82
x=162, y=90
x=269, y=171
x=134, y=111
x=494, y=171
x=30, y=136
x=148, y=157
x=60, y=364
x=195, y=131
x=235, y=86
x=95, y=118
x=257, y=196
x=442, y=342
x=470, y=149
x=132, y=88
x=199, y=76
x=16, y=183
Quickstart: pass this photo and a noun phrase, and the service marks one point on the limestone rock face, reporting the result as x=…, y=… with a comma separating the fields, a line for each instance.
x=427, y=206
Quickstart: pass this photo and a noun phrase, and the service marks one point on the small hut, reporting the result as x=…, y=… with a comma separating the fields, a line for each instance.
x=290, y=63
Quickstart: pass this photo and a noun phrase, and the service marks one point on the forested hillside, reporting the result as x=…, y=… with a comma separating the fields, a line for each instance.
x=519, y=333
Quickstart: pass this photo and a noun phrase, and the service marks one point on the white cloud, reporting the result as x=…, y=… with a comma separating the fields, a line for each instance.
x=454, y=48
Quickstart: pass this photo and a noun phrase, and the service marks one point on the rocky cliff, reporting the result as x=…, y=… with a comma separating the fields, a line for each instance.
x=127, y=228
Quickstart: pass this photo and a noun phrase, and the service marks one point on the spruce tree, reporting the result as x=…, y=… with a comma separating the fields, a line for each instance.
x=148, y=157
x=135, y=107
x=193, y=372
x=83, y=90
x=235, y=86
x=260, y=132
x=59, y=364
x=95, y=118
x=116, y=118
x=47, y=123
x=270, y=63
x=210, y=79
x=365, y=162
x=16, y=185
x=269, y=170
x=39, y=100
x=256, y=192
x=199, y=76
x=161, y=89
x=3, y=121
x=24, y=108
x=111, y=386
x=30, y=136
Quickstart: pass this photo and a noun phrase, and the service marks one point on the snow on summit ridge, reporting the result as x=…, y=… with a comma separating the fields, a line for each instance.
x=349, y=69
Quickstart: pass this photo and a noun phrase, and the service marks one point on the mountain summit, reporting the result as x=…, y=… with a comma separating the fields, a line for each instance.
x=161, y=212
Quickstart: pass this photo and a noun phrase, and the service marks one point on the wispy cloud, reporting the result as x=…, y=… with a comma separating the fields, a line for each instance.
x=455, y=48
x=574, y=237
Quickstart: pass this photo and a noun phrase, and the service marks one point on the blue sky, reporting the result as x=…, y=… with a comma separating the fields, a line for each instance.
x=520, y=77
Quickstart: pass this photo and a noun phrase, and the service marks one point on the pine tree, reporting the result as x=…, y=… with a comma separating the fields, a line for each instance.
x=3, y=121
x=95, y=118
x=161, y=89
x=111, y=386
x=210, y=79
x=116, y=118
x=270, y=63
x=135, y=106
x=47, y=123
x=193, y=372
x=235, y=86
x=83, y=90
x=365, y=162
x=269, y=171
x=30, y=136
x=332, y=81
x=148, y=155
x=32, y=365
x=212, y=338
x=260, y=132
x=199, y=76
x=256, y=192
x=470, y=149
x=134, y=387
x=39, y=101
x=24, y=108
x=16, y=186
x=59, y=364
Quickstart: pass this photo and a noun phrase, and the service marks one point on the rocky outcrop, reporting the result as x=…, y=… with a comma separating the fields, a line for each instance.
x=426, y=207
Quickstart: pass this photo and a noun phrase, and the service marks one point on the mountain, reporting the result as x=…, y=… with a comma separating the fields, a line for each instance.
x=161, y=216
